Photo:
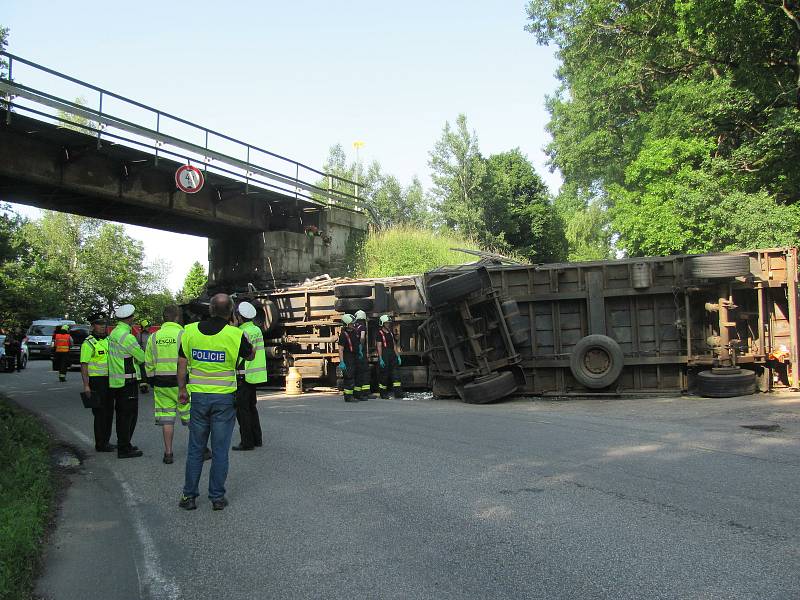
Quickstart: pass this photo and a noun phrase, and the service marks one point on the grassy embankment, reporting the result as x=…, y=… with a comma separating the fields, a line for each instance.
x=406, y=250
x=26, y=496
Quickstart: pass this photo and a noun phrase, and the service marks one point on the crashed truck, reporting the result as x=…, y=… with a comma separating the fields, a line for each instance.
x=719, y=325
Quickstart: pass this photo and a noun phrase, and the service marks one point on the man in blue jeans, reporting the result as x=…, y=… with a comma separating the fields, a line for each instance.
x=208, y=355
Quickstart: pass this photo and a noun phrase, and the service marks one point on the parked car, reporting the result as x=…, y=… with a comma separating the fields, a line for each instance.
x=7, y=363
x=40, y=336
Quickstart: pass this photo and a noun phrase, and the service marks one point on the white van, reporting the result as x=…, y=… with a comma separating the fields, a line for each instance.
x=40, y=336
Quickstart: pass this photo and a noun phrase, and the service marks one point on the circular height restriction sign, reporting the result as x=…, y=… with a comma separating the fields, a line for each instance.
x=189, y=179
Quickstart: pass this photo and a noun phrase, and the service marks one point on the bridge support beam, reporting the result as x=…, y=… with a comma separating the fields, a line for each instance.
x=325, y=243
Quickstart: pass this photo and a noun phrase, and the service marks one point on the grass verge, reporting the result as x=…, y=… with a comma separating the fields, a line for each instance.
x=26, y=497
x=407, y=250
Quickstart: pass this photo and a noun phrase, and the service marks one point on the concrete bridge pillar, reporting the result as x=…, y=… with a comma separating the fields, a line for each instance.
x=304, y=246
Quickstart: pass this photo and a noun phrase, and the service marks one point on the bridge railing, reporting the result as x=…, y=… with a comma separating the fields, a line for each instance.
x=48, y=95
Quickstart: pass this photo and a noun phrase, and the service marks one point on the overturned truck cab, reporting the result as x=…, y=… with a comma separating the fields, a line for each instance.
x=715, y=324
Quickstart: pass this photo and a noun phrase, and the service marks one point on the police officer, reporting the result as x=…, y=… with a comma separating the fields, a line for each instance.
x=161, y=366
x=208, y=354
x=362, y=380
x=250, y=374
x=94, y=372
x=62, y=341
x=347, y=357
x=124, y=359
x=388, y=359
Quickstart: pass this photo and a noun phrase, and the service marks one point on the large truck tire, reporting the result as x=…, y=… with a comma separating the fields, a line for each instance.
x=488, y=389
x=352, y=290
x=518, y=325
x=726, y=383
x=454, y=288
x=596, y=361
x=718, y=267
x=346, y=305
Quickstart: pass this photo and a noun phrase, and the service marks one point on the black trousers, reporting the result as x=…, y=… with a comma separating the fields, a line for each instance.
x=247, y=415
x=388, y=378
x=349, y=375
x=103, y=414
x=361, y=376
x=126, y=401
x=61, y=360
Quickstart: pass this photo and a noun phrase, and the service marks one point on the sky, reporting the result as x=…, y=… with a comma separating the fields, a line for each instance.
x=298, y=77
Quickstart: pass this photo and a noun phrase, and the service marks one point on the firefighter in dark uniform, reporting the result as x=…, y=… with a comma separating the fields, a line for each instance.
x=348, y=348
x=362, y=380
x=388, y=359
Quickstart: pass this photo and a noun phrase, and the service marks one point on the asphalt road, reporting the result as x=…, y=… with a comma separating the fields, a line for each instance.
x=656, y=498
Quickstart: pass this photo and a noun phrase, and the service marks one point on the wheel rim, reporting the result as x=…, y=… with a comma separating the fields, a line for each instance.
x=597, y=361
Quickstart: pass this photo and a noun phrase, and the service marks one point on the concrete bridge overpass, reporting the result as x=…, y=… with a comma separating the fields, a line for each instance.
x=118, y=162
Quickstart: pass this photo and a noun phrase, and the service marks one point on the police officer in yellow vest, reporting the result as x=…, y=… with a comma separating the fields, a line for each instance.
x=251, y=373
x=94, y=372
x=124, y=359
x=161, y=365
x=208, y=355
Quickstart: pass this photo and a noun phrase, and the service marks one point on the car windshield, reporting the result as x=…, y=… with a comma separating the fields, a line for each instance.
x=41, y=329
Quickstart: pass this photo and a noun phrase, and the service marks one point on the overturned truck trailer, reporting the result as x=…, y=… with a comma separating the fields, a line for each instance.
x=718, y=324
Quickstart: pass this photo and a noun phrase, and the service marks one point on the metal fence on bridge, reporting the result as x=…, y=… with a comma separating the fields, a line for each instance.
x=54, y=97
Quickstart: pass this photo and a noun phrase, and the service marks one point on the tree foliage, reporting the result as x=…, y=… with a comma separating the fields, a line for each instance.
x=194, y=285
x=387, y=202
x=68, y=265
x=500, y=201
x=680, y=117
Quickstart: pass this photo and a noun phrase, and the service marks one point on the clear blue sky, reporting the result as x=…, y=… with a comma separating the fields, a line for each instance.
x=298, y=77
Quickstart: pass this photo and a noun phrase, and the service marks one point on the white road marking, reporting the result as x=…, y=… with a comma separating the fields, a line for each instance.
x=153, y=583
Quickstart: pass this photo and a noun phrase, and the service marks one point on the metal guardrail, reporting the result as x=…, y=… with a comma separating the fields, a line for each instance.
x=255, y=166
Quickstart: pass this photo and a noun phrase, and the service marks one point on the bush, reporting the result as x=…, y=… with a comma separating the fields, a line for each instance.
x=26, y=494
x=408, y=250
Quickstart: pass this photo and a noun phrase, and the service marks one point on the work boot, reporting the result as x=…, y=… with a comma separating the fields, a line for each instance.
x=219, y=503
x=187, y=503
x=130, y=453
x=168, y=458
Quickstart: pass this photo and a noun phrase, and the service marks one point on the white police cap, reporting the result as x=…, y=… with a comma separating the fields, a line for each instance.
x=247, y=310
x=125, y=311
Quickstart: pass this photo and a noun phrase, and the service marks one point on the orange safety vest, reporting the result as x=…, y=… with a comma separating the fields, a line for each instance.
x=62, y=341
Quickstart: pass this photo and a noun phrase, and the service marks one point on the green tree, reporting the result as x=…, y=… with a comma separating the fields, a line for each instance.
x=150, y=306
x=458, y=171
x=519, y=216
x=4, y=31
x=387, y=202
x=115, y=270
x=669, y=111
x=194, y=285
x=69, y=120
x=68, y=265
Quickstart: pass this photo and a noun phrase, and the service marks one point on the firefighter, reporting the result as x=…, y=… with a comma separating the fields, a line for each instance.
x=388, y=359
x=61, y=344
x=347, y=357
x=362, y=383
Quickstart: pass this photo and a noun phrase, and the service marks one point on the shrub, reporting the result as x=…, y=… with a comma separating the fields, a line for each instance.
x=408, y=250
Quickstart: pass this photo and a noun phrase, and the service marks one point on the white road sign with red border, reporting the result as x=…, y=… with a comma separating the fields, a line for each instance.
x=189, y=179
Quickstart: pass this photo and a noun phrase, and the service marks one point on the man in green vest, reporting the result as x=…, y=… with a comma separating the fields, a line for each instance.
x=250, y=374
x=161, y=365
x=208, y=355
x=94, y=372
x=124, y=357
